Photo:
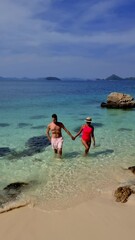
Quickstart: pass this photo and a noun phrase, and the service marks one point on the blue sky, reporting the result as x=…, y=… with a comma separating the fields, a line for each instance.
x=67, y=38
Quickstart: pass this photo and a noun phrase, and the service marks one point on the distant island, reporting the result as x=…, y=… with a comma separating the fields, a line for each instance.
x=112, y=77
x=26, y=78
x=53, y=78
x=115, y=77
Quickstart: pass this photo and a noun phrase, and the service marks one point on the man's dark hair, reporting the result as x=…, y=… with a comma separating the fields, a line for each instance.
x=54, y=116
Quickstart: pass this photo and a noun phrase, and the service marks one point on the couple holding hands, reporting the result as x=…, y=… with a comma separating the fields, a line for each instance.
x=56, y=138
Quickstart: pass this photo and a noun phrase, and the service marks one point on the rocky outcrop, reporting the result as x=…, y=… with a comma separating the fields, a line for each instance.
x=132, y=169
x=10, y=196
x=11, y=192
x=119, y=100
x=17, y=186
x=122, y=193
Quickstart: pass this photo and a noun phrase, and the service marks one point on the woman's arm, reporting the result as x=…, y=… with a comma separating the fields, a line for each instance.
x=93, y=137
x=78, y=132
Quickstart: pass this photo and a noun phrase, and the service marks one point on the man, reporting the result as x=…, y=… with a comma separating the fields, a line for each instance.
x=56, y=138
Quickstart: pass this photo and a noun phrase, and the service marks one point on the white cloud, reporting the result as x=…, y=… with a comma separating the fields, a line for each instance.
x=27, y=38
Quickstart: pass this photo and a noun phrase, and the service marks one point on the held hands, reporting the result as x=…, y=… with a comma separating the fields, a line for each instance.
x=73, y=138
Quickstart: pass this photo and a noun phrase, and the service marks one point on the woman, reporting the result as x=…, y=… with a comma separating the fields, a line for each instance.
x=87, y=131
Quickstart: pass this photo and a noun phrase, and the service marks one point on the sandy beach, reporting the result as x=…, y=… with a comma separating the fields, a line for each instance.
x=96, y=219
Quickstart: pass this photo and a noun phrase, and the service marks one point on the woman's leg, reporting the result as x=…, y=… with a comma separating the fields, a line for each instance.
x=87, y=146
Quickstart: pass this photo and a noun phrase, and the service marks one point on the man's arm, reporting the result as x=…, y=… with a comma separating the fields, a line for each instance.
x=48, y=133
x=67, y=131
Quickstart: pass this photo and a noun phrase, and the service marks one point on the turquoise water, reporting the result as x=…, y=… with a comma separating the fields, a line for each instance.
x=25, y=111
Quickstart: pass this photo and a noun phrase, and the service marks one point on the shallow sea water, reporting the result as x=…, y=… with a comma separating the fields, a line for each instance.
x=25, y=111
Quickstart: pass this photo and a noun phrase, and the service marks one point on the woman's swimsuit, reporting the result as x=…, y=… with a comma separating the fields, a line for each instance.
x=86, y=133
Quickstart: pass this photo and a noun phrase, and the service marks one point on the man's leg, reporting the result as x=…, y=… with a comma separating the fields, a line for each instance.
x=60, y=152
x=55, y=151
x=60, y=144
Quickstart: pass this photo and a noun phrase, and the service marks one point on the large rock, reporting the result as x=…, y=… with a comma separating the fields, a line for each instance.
x=10, y=196
x=122, y=194
x=15, y=186
x=11, y=192
x=119, y=100
x=132, y=169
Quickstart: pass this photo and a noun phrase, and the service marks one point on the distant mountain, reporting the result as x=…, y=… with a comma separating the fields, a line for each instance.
x=112, y=77
x=115, y=77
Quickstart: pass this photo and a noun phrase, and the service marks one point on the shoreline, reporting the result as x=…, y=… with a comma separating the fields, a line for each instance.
x=101, y=218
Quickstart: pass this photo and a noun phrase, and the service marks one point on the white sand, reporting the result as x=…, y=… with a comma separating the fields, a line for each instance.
x=102, y=219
